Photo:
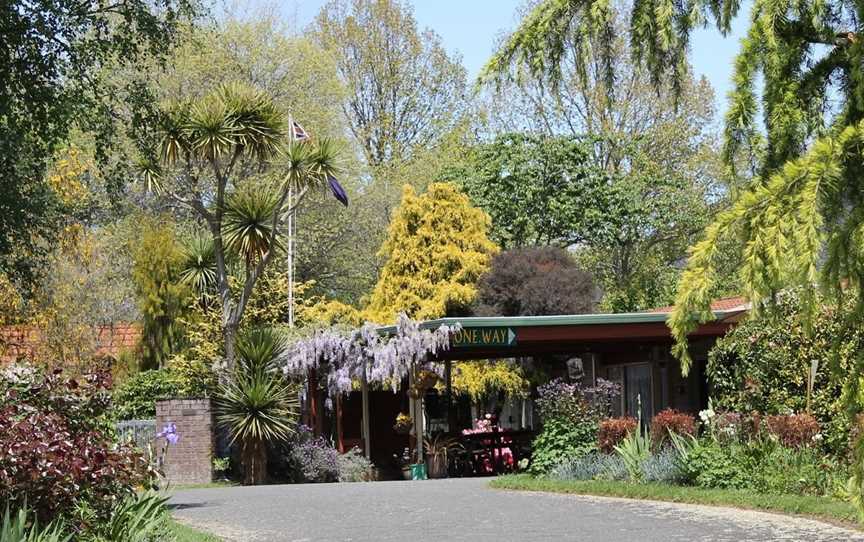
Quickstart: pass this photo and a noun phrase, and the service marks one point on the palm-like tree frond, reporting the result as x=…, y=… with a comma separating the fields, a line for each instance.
x=258, y=404
x=258, y=123
x=199, y=264
x=309, y=165
x=260, y=347
x=248, y=222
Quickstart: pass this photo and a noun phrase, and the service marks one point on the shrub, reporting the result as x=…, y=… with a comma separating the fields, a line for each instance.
x=561, y=440
x=710, y=465
x=593, y=466
x=136, y=398
x=612, y=431
x=762, y=365
x=662, y=466
x=670, y=420
x=312, y=459
x=570, y=415
x=56, y=448
x=793, y=430
x=354, y=467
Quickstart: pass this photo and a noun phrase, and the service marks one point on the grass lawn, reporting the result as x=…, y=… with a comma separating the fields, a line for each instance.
x=823, y=508
x=184, y=533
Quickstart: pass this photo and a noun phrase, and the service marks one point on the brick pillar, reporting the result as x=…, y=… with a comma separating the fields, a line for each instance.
x=190, y=461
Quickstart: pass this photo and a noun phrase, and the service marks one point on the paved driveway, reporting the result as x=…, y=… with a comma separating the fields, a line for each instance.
x=465, y=509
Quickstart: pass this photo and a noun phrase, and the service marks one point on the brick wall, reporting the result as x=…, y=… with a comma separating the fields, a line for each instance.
x=190, y=461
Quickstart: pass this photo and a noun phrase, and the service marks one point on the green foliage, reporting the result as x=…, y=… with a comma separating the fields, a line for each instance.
x=436, y=250
x=561, y=440
x=760, y=464
x=634, y=450
x=54, y=61
x=135, y=398
x=763, y=365
x=141, y=517
x=20, y=527
x=258, y=405
x=162, y=295
x=660, y=37
x=538, y=190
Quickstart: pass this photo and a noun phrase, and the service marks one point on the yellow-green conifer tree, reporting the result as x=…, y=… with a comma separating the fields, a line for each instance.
x=436, y=249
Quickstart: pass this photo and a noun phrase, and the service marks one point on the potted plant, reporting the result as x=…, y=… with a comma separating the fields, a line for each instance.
x=438, y=449
x=403, y=424
x=404, y=463
x=221, y=466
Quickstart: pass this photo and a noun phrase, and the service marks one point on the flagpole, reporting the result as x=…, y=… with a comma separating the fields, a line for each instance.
x=290, y=235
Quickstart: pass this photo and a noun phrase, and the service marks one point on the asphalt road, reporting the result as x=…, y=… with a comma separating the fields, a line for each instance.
x=466, y=509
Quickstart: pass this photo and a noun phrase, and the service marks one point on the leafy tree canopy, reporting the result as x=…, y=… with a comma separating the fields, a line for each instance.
x=538, y=190
x=403, y=89
x=436, y=249
x=534, y=281
x=54, y=57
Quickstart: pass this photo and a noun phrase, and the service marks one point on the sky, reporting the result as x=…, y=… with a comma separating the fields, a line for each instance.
x=471, y=28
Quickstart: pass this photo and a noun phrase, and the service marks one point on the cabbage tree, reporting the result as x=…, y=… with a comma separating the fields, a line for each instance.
x=228, y=158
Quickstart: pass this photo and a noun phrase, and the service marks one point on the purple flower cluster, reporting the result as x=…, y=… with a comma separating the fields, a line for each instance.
x=169, y=433
x=363, y=353
x=563, y=400
x=313, y=459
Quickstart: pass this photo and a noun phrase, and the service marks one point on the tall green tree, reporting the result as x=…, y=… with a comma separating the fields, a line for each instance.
x=226, y=158
x=538, y=190
x=163, y=298
x=436, y=250
x=52, y=68
x=403, y=89
x=654, y=140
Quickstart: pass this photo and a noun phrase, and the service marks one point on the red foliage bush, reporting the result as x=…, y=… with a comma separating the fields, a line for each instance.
x=671, y=420
x=612, y=431
x=793, y=431
x=56, y=449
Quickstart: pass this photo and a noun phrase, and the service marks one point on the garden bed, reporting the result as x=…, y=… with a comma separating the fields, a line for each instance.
x=822, y=508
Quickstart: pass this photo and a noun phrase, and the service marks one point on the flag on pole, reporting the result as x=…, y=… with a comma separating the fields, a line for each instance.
x=299, y=133
x=338, y=191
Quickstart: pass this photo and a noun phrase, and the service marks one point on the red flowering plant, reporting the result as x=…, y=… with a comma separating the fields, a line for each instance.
x=612, y=431
x=671, y=420
x=57, y=452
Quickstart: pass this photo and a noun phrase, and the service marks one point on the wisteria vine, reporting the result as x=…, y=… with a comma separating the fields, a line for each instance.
x=346, y=357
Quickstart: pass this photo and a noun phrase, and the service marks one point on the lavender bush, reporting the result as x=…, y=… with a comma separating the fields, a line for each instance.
x=594, y=466
x=312, y=459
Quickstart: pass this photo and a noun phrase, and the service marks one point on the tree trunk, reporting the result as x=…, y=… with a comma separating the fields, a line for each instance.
x=229, y=336
x=254, y=462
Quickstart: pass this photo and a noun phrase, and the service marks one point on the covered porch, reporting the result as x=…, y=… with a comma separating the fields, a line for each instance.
x=632, y=350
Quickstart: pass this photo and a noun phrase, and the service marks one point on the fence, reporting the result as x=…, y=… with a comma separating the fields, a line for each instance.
x=141, y=433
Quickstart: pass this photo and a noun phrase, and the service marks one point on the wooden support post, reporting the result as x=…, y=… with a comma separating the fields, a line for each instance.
x=367, y=445
x=340, y=434
x=448, y=381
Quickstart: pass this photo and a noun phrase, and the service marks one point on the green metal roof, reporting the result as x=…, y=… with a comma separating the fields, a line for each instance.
x=559, y=320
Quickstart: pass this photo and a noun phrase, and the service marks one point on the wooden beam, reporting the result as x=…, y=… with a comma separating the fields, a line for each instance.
x=364, y=392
